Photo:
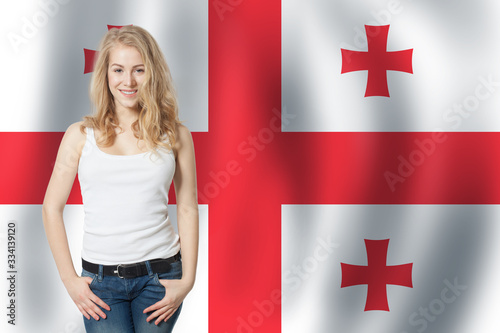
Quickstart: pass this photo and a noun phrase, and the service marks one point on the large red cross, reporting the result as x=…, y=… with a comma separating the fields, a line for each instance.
x=294, y=168
x=377, y=61
x=377, y=275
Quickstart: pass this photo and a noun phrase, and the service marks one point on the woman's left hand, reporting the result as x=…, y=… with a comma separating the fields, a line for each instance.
x=175, y=292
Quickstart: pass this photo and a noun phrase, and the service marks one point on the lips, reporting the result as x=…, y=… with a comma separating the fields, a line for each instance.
x=128, y=93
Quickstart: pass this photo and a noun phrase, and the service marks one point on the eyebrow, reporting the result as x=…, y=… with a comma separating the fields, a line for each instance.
x=114, y=64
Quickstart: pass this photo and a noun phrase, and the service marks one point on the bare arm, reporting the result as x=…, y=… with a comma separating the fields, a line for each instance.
x=60, y=184
x=187, y=205
x=56, y=195
x=188, y=225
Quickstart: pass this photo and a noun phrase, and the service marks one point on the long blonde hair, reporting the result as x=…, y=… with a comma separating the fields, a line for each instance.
x=158, y=108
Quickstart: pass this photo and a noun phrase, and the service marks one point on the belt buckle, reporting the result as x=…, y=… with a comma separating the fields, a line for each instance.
x=118, y=271
x=124, y=267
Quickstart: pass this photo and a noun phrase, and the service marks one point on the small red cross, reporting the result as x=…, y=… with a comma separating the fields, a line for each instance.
x=377, y=275
x=377, y=61
x=91, y=55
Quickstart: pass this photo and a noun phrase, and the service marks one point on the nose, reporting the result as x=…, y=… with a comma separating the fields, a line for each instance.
x=130, y=80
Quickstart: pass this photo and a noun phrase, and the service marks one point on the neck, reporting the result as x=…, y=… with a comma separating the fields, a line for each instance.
x=125, y=117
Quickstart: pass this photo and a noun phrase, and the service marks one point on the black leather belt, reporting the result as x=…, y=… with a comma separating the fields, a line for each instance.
x=129, y=271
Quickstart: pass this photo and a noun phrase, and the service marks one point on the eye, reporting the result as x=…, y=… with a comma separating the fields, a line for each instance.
x=140, y=70
x=117, y=70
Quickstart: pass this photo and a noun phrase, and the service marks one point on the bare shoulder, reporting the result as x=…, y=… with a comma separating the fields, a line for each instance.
x=74, y=138
x=184, y=140
x=183, y=134
x=74, y=130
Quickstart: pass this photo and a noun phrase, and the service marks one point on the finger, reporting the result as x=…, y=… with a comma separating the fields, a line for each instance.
x=151, y=316
x=155, y=314
x=92, y=304
x=88, y=279
x=98, y=311
x=170, y=315
x=163, y=316
x=90, y=310
x=153, y=307
x=93, y=297
x=160, y=318
x=92, y=314
x=93, y=309
x=84, y=313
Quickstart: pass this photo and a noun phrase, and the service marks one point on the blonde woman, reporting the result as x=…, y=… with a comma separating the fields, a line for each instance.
x=126, y=155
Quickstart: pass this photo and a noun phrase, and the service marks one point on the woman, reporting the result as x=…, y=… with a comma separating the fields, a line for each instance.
x=126, y=155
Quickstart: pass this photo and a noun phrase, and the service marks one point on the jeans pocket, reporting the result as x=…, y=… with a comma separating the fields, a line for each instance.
x=156, y=280
x=174, y=273
x=86, y=273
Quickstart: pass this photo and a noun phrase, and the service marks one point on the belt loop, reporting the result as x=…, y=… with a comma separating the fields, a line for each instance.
x=100, y=274
x=148, y=267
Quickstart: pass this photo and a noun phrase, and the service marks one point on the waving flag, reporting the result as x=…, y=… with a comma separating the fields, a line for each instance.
x=346, y=165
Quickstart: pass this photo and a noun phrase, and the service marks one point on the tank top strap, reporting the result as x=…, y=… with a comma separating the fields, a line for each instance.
x=90, y=135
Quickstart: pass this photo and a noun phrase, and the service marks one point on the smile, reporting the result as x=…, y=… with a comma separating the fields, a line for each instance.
x=128, y=93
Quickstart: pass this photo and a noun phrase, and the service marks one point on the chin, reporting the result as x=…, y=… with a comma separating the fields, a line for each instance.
x=130, y=105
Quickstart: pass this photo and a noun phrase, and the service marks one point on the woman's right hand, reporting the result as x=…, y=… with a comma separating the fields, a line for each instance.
x=86, y=301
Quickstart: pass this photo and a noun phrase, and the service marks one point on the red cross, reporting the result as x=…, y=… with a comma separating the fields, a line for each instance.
x=91, y=55
x=294, y=168
x=377, y=275
x=377, y=61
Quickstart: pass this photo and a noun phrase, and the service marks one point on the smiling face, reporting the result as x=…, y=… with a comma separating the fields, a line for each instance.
x=125, y=76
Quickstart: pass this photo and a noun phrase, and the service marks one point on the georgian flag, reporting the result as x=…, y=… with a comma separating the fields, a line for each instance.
x=346, y=157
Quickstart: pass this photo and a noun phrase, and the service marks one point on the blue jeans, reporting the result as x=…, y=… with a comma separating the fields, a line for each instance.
x=128, y=298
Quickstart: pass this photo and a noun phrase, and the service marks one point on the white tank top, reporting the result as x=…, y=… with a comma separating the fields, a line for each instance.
x=125, y=201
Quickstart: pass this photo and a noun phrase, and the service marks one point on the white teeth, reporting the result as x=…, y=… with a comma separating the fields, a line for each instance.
x=128, y=92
